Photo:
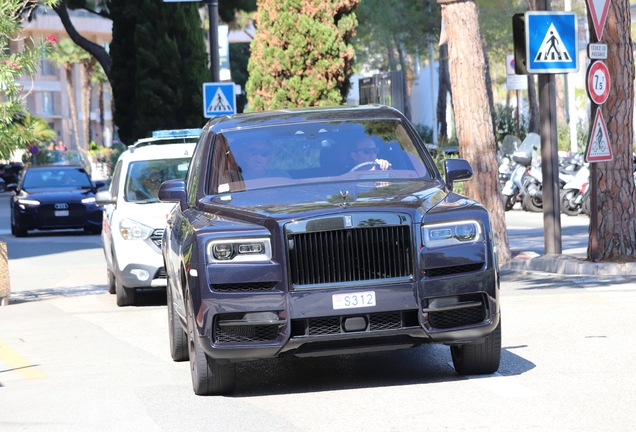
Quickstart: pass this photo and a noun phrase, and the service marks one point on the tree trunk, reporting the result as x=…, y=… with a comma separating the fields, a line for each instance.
x=97, y=51
x=533, y=104
x=474, y=122
x=405, y=79
x=444, y=89
x=616, y=197
x=68, y=68
x=86, y=70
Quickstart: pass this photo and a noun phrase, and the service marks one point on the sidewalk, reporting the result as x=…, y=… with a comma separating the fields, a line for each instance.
x=566, y=265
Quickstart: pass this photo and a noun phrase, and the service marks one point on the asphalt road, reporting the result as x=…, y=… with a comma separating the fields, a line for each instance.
x=70, y=359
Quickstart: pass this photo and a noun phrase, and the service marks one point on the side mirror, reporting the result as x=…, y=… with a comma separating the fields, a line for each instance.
x=99, y=184
x=174, y=191
x=12, y=187
x=457, y=170
x=104, y=198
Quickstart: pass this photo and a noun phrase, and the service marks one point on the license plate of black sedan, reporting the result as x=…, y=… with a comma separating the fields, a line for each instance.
x=354, y=300
x=61, y=213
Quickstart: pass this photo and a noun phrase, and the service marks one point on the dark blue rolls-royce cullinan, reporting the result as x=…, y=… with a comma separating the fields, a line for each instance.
x=324, y=231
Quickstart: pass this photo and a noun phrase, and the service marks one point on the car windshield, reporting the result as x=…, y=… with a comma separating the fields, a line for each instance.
x=261, y=157
x=56, y=178
x=145, y=177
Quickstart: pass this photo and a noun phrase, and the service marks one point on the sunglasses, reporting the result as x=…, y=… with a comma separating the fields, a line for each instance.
x=369, y=150
x=259, y=152
x=154, y=181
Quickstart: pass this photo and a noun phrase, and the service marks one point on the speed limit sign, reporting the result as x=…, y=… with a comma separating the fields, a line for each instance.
x=598, y=82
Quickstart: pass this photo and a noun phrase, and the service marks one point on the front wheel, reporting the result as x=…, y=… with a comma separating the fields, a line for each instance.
x=532, y=203
x=509, y=202
x=481, y=358
x=125, y=296
x=178, y=337
x=112, y=284
x=567, y=206
x=209, y=377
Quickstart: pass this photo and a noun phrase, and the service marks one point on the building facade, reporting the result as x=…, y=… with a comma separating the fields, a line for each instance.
x=46, y=95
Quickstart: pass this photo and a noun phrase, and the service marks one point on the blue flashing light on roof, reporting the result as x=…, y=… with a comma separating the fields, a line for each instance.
x=176, y=133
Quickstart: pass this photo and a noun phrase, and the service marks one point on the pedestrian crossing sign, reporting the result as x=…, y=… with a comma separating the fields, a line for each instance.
x=551, y=42
x=218, y=99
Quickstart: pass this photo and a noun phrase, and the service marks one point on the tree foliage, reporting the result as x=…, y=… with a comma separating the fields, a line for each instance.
x=14, y=132
x=301, y=54
x=159, y=65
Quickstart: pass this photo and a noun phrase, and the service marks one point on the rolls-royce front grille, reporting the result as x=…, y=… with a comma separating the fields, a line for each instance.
x=350, y=255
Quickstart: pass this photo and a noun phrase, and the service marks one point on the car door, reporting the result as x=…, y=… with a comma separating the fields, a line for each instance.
x=107, y=235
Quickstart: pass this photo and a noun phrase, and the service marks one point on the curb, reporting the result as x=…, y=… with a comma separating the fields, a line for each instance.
x=567, y=265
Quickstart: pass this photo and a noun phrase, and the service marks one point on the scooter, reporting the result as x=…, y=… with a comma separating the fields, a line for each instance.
x=573, y=193
x=517, y=188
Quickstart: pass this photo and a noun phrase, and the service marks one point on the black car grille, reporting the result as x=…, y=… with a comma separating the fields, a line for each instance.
x=453, y=270
x=243, y=333
x=460, y=317
x=76, y=215
x=243, y=287
x=349, y=255
x=156, y=237
x=395, y=320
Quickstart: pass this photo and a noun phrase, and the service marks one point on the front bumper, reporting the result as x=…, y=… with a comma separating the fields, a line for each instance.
x=304, y=323
x=41, y=218
x=139, y=263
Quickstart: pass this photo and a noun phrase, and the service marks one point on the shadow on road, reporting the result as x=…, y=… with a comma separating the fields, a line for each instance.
x=428, y=364
x=35, y=244
x=145, y=297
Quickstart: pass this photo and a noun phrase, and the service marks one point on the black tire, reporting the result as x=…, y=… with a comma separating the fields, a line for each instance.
x=125, y=296
x=209, y=377
x=532, y=204
x=509, y=202
x=112, y=284
x=178, y=336
x=3, y=187
x=18, y=232
x=93, y=230
x=566, y=208
x=478, y=359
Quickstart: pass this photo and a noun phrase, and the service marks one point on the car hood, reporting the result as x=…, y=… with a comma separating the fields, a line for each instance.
x=291, y=202
x=57, y=196
x=153, y=214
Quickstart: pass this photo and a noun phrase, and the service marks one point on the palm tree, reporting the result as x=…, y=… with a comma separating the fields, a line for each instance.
x=65, y=54
x=87, y=64
x=99, y=78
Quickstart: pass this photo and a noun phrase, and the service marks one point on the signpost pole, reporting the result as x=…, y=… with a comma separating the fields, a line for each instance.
x=549, y=157
x=213, y=13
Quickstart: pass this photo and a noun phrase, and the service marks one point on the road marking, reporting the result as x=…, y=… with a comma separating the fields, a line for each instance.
x=501, y=385
x=19, y=364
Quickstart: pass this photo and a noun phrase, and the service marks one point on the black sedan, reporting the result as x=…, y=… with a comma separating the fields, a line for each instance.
x=324, y=231
x=55, y=197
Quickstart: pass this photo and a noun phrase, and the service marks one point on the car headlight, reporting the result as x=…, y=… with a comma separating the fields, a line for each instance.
x=448, y=234
x=90, y=200
x=28, y=202
x=240, y=250
x=133, y=230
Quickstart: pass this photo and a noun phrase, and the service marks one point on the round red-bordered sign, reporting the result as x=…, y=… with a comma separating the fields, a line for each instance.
x=598, y=82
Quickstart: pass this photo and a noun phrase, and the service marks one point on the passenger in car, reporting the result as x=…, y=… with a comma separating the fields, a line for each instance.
x=256, y=157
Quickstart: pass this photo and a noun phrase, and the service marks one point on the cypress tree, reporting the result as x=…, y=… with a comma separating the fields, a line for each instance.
x=159, y=66
x=301, y=55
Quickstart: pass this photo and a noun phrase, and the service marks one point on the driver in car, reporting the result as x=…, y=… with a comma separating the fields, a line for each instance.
x=364, y=156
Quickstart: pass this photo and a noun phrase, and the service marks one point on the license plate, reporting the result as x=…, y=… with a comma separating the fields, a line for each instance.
x=354, y=300
x=61, y=212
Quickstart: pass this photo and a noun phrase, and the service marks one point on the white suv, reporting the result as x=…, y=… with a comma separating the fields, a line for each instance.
x=134, y=218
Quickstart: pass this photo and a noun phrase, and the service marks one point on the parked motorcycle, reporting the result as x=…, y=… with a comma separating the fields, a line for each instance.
x=524, y=175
